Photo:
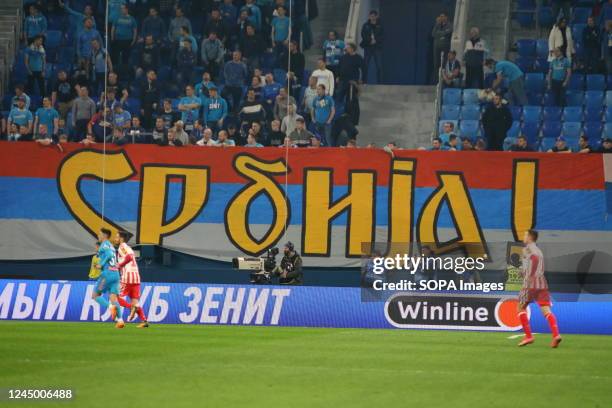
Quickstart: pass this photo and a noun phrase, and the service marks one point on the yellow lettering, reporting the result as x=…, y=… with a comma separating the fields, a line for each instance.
x=91, y=164
x=524, y=195
x=237, y=211
x=152, y=223
x=319, y=211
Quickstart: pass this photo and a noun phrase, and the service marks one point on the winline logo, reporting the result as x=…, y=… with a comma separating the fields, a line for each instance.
x=459, y=312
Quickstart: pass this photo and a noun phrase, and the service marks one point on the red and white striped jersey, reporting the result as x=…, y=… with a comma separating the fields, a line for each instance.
x=127, y=264
x=533, y=268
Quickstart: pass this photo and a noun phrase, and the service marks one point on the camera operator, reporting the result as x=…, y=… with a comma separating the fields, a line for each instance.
x=290, y=270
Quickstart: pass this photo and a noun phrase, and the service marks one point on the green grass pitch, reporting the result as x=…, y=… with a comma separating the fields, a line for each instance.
x=232, y=366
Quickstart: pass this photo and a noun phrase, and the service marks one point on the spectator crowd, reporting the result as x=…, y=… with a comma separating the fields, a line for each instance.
x=203, y=73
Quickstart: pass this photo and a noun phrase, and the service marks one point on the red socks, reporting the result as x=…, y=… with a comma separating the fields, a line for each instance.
x=525, y=322
x=552, y=323
x=141, y=314
x=123, y=303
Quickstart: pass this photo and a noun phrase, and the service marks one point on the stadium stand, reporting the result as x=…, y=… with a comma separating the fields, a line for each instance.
x=587, y=97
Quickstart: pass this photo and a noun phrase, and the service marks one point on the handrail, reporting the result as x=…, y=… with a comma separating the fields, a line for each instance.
x=460, y=27
x=438, y=99
x=352, y=24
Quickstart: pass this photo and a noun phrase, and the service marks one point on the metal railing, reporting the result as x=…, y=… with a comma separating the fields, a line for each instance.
x=458, y=39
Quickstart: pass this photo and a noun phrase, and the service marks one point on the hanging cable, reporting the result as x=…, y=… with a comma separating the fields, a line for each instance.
x=288, y=103
x=104, y=104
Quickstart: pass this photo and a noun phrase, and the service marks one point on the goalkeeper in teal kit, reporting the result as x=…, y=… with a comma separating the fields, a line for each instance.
x=108, y=281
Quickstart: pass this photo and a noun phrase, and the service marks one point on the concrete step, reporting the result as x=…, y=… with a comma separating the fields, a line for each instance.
x=404, y=114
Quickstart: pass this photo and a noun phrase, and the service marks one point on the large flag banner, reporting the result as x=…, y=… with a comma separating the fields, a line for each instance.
x=218, y=203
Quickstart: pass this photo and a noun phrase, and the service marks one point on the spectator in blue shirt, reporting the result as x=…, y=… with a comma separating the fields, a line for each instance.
x=19, y=93
x=189, y=105
x=236, y=76
x=558, y=76
x=229, y=13
x=202, y=88
x=281, y=32
x=333, y=49
x=186, y=35
x=87, y=35
x=35, y=64
x=121, y=118
x=323, y=111
x=114, y=9
x=153, y=25
x=99, y=64
x=215, y=109
x=77, y=19
x=270, y=91
x=254, y=13
x=35, y=24
x=510, y=71
x=123, y=35
x=448, y=130
x=21, y=116
x=48, y=117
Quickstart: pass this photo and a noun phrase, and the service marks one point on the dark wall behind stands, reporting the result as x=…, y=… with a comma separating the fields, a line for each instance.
x=407, y=53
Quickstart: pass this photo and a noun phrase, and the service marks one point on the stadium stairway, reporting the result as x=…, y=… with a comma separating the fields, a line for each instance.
x=490, y=17
x=332, y=16
x=400, y=113
x=10, y=24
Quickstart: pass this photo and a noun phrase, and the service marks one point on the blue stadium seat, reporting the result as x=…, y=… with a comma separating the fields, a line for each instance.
x=592, y=130
x=574, y=98
x=526, y=64
x=534, y=82
x=450, y=112
x=133, y=106
x=546, y=144
x=54, y=39
x=526, y=47
x=531, y=130
x=572, y=113
x=548, y=99
x=442, y=122
x=576, y=82
x=579, y=49
x=165, y=73
x=541, y=65
x=572, y=130
x=542, y=48
x=552, y=113
x=532, y=113
x=607, y=12
x=470, y=97
x=580, y=15
x=451, y=96
x=551, y=129
x=508, y=142
x=593, y=99
x=469, y=128
x=470, y=112
x=514, y=130
x=545, y=17
x=534, y=98
x=577, y=30
x=607, y=130
x=609, y=98
x=592, y=114
x=280, y=75
x=517, y=112
x=608, y=114
x=66, y=55
x=595, y=82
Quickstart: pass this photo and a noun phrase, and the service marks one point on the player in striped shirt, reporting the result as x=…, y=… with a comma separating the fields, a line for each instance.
x=130, y=278
x=535, y=289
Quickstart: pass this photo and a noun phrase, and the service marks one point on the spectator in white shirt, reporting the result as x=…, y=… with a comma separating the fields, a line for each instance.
x=324, y=76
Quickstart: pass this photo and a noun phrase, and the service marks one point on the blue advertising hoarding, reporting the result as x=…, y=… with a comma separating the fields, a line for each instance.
x=298, y=306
